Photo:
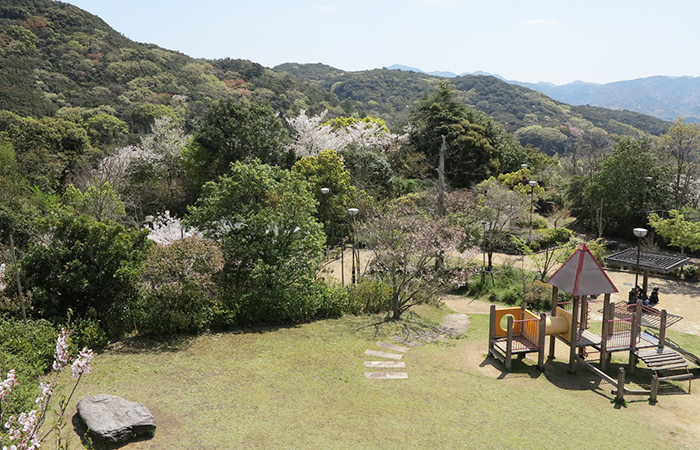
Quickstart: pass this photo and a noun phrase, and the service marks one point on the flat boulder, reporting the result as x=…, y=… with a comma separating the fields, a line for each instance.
x=114, y=419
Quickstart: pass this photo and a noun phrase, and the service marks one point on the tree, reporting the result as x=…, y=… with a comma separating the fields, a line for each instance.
x=86, y=266
x=263, y=218
x=678, y=231
x=498, y=208
x=328, y=171
x=679, y=149
x=631, y=183
x=178, y=293
x=405, y=247
x=473, y=141
x=237, y=131
x=156, y=173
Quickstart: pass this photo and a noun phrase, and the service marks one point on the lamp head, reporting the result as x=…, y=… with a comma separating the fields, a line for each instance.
x=640, y=232
x=353, y=211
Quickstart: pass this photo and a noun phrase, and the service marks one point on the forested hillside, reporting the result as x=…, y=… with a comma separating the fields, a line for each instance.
x=58, y=60
x=533, y=117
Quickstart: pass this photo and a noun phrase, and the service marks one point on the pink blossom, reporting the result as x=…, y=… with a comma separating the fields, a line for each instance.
x=81, y=364
x=9, y=383
x=61, y=356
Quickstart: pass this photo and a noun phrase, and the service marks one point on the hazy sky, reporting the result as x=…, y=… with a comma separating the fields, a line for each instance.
x=525, y=40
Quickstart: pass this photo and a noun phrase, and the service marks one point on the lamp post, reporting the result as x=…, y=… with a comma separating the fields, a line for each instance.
x=640, y=233
x=327, y=228
x=532, y=195
x=353, y=212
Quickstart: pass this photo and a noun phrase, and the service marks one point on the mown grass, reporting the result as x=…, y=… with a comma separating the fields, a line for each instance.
x=303, y=387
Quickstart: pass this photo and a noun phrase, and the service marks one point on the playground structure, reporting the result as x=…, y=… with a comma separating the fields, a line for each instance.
x=518, y=331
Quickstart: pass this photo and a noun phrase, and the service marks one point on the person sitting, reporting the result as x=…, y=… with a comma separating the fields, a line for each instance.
x=654, y=297
x=632, y=297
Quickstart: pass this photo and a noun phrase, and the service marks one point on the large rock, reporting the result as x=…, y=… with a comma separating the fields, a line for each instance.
x=114, y=419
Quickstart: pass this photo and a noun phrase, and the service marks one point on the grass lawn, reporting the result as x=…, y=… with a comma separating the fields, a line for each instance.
x=303, y=387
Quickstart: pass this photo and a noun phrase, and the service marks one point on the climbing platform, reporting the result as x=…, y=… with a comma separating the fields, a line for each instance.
x=665, y=360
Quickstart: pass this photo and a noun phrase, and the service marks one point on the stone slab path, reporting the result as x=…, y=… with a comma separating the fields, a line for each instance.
x=453, y=325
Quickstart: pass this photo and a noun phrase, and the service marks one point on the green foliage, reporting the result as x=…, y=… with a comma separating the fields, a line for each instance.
x=263, y=218
x=549, y=237
x=369, y=296
x=235, y=131
x=676, y=230
x=328, y=171
x=86, y=266
x=472, y=145
x=370, y=171
x=618, y=196
x=101, y=202
x=177, y=290
x=506, y=286
x=28, y=349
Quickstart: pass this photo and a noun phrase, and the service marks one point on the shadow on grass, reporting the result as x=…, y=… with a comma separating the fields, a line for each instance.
x=93, y=442
x=519, y=368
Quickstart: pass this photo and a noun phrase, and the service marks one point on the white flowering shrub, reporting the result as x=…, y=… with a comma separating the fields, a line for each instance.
x=167, y=229
x=25, y=431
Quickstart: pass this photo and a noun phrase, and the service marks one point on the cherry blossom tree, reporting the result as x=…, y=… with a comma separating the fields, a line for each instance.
x=405, y=247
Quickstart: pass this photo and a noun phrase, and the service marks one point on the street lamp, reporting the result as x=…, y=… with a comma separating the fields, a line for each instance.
x=532, y=194
x=640, y=233
x=353, y=212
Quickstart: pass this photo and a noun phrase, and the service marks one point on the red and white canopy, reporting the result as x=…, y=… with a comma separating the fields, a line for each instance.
x=582, y=275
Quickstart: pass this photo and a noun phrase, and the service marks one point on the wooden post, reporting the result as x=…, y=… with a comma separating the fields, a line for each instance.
x=636, y=322
x=582, y=321
x=492, y=327
x=509, y=343
x=552, y=338
x=604, y=333
x=543, y=329
x=654, y=389
x=620, y=397
x=662, y=329
x=573, y=337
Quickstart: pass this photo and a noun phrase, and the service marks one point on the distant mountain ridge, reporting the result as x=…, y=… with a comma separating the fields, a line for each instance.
x=664, y=97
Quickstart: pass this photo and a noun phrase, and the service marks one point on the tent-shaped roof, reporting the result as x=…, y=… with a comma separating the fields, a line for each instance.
x=582, y=275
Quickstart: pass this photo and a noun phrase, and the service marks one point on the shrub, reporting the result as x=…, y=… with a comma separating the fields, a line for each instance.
x=689, y=272
x=369, y=296
x=177, y=291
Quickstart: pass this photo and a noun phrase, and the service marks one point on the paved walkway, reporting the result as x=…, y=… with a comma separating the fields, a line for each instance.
x=453, y=325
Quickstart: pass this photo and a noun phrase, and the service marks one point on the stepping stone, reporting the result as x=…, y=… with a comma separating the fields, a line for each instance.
x=406, y=341
x=454, y=325
x=386, y=375
x=394, y=347
x=383, y=354
x=422, y=338
x=431, y=334
x=385, y=364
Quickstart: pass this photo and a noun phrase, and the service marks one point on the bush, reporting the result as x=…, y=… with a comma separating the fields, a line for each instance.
x=333, y=300
x=506, y=286
x=550, y=237
x=689, y=272
x=177, y=291
x=28, y=349
x=369, y=296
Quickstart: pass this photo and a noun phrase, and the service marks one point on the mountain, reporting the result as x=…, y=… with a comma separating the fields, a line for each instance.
x=660, y=96
x=56, y=59
x=391, y=94
x=440, y=73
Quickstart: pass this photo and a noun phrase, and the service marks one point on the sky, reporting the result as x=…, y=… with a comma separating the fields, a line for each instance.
x=557, y=41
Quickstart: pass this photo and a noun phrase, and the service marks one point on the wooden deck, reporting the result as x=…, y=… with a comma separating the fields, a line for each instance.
x=520, y=345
